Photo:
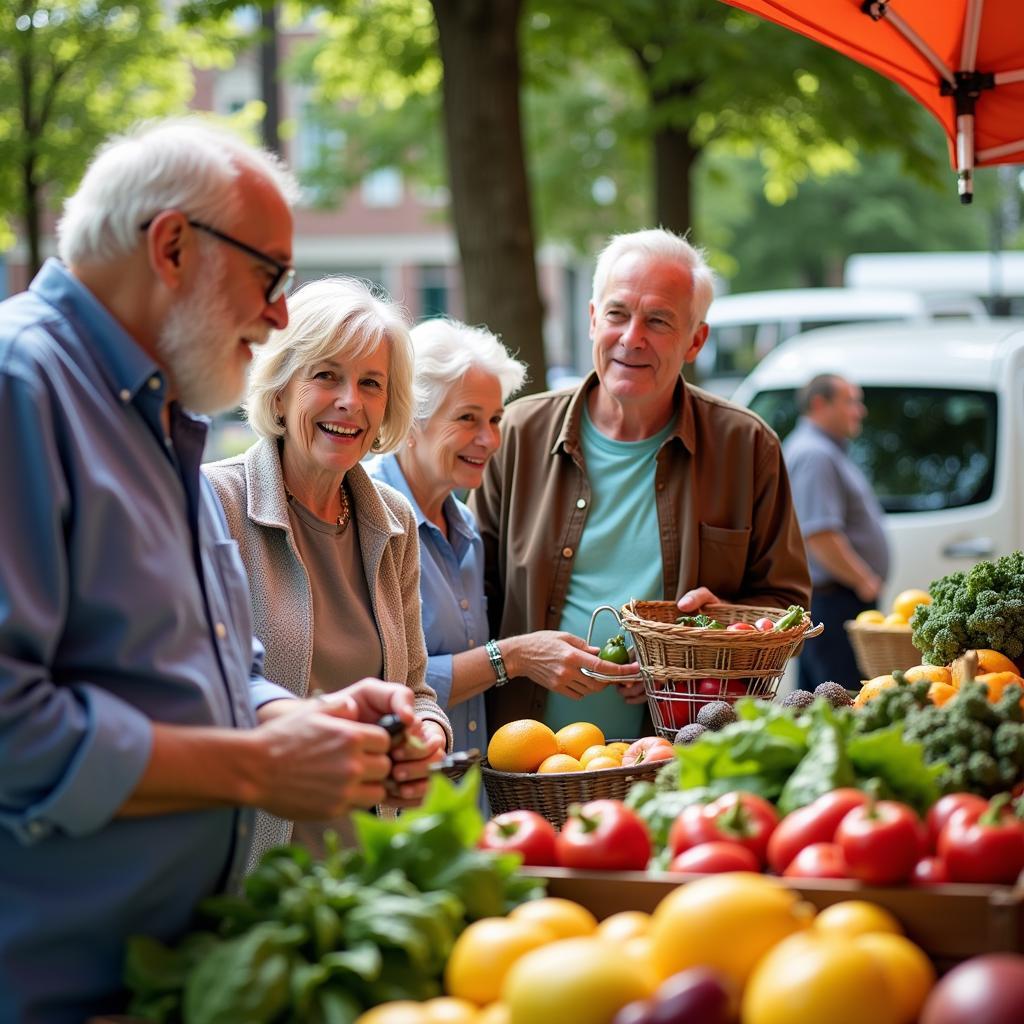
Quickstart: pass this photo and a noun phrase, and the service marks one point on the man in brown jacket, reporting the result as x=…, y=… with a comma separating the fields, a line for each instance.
x=635, y=485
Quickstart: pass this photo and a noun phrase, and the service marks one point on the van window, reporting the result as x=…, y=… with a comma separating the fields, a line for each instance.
x=921, y=448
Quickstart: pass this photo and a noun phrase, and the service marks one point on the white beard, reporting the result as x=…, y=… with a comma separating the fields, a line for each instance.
x=198, y=345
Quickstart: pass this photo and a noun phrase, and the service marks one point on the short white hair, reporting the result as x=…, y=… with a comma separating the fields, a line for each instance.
x=665, y=247
x=445, y=350
x=188, y=164
x=334, y=318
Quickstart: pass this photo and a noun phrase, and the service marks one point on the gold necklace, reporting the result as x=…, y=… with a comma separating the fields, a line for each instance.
x=346, y=511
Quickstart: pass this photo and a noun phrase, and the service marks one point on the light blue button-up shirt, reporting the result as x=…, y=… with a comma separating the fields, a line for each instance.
x=452, y=599
x=122, y=600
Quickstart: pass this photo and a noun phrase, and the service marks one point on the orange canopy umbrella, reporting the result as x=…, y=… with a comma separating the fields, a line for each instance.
x=963, y=59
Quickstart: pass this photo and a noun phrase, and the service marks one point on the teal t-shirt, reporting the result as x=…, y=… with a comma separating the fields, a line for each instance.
x=618, y=558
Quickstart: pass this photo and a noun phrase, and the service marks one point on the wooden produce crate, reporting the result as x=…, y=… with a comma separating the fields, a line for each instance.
x=950, y=922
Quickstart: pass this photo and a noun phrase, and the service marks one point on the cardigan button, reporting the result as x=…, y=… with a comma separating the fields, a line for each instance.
x=567, y=552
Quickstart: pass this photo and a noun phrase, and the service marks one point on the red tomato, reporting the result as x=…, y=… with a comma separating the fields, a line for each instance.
x=881, y=841
x=986, y=847
x=815, y=823
x=603, y=835
x=741, y=818
x=648, y=748
x=819, y=860
x=524, y=832
x=765, y=624
x=741, y=627
x=930, y=871
x=676, y=713
x=711, y=858
x=945, y=807
x=723, y=687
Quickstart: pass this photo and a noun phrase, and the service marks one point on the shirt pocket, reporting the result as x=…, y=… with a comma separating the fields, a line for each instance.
x=723, y=560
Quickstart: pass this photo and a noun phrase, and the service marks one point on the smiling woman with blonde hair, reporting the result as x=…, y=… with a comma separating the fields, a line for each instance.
x=332, y=556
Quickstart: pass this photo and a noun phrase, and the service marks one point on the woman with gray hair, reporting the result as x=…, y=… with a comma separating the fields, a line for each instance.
x=332, y=557
x=464, y=376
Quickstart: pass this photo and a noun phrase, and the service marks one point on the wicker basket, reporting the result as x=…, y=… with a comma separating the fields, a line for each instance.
x=880, y=649
x=551, y=794
x=686, y=667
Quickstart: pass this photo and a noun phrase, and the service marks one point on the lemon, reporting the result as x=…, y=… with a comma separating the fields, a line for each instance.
x=895, y=619
x=907, y=600
x=871, y=617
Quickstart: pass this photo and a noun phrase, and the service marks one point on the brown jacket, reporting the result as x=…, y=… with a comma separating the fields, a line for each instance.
x=724, y=508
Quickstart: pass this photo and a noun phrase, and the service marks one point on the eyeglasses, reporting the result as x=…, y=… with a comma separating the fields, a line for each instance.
x=284, y=275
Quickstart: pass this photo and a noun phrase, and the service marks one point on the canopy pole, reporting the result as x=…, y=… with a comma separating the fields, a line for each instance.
x=972, y=32
x=879, y=10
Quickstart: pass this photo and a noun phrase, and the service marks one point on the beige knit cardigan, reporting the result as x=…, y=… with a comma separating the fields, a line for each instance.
x=251, y=489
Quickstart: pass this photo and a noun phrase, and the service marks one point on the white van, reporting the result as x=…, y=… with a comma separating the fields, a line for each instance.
x=747, y=326
x=943, y=440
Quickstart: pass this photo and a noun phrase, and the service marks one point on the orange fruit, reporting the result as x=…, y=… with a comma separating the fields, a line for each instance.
x=484, y=953
x=909, y=972
x=856, y=917
x=448, y=1010
x=941, y=694
x=897, y=620
x=870, y=617
x=559, y=763
x=402, y=1011
x=618, y=747
x=596, y=764
x=871, y=688
x=908, y=600
x=576, y=738
x=997, y=682
x=494, y=1013
x=627, y=924
x=988, y=661
x=520, y=746
x=562, y=917
x=933, y=673
x=588, y=755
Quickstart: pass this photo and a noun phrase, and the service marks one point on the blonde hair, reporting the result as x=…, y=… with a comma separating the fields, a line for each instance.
x=334, y=318
x=445, y=350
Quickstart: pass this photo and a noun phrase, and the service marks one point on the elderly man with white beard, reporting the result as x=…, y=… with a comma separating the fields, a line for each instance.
x=137, y=733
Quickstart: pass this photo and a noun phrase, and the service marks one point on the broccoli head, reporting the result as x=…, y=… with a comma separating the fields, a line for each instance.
x=980, y=608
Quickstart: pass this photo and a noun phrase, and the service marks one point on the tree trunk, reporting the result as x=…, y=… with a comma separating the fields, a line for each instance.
x=487, y=171
x=32, y=214
x=674, y=160
x=31, y=132
x=269, y=88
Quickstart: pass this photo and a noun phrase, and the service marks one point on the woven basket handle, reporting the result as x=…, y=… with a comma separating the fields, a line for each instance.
x=815, y=631
x=593, y=618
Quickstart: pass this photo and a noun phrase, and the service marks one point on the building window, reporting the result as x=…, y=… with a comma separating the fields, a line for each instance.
x=433, y=292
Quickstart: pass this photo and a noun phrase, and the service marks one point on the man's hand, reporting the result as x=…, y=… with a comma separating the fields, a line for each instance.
x=315, y=765
x=693, y=600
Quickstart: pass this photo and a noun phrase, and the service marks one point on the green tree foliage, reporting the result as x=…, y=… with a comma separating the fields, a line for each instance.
x=72, y=72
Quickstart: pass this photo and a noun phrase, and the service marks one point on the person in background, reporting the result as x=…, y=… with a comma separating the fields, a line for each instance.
x=333, y=557
x=463, y=378
x=841, y=521
x=137, y=730
x=633, y=485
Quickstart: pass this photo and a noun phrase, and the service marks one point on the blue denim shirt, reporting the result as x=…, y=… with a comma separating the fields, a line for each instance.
x=452, y=599
x=122, y=600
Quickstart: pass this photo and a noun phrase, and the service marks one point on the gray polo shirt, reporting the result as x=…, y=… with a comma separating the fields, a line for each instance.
x=831, y=494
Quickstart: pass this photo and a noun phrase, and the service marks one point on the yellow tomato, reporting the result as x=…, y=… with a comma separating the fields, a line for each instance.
x=910, y=973
x=627, y=924
x=596, y=764
x=582, y=981
x=726, y=921
x=618, y=748
x=403, y=1011
x=448, y=1010
x=871, y=617
x=820, y=978
x=907, y=601
x=563, y=918
x=483, y=954
x=856, y=917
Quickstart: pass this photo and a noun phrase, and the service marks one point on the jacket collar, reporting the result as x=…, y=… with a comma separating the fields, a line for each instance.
x=569, y=435
x=267, y=502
